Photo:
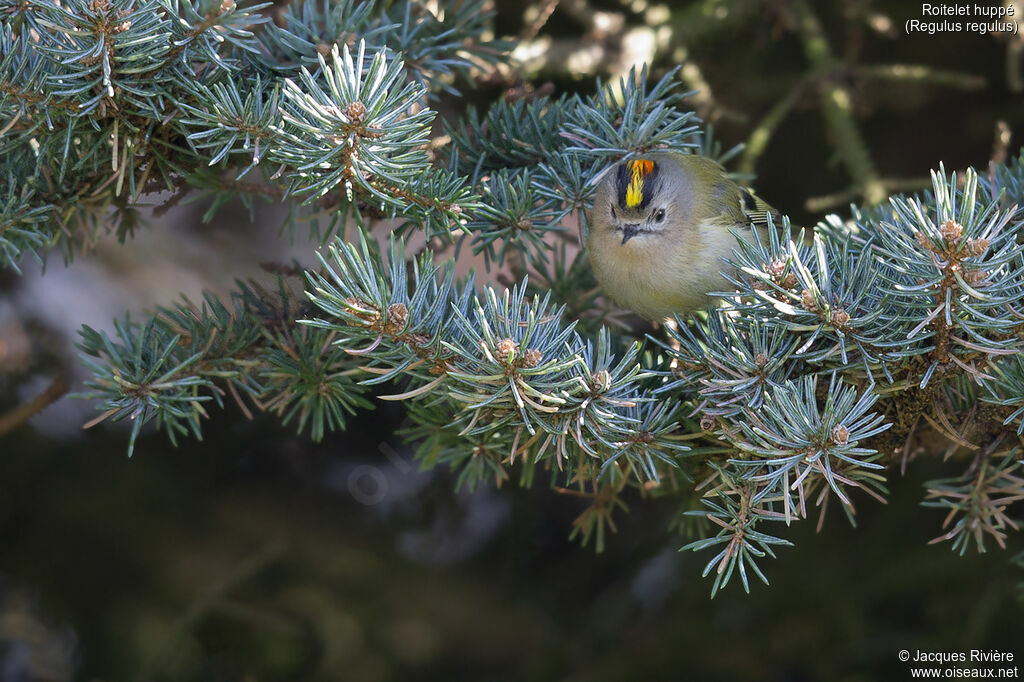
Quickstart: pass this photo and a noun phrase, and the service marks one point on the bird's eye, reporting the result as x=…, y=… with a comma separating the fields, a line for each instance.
x=659, y=215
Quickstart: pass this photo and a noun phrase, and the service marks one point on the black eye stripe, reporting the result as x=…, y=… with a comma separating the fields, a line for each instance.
x=621, y=182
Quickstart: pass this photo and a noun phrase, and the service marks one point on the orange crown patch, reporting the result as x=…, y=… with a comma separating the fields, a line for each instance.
x=639, y=171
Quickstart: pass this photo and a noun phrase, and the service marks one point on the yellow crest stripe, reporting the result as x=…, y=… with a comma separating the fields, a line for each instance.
x=639, y=171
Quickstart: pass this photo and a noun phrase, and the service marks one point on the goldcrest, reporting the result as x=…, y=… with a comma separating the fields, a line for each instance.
x=659, y=231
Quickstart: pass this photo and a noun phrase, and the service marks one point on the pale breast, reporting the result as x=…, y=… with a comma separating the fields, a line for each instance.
x=655, y=277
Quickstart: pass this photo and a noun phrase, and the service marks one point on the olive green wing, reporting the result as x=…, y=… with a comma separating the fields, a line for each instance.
x=756, y=210
x=737, y=206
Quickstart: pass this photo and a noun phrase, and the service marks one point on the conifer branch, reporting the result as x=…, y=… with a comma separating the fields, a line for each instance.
x=894, y=329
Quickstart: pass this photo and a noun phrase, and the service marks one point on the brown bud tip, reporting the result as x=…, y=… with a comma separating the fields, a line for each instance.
x=323, y=49
x=600, y=381
x=951, y=231
x=789, y=281
x=227, y=5
x=398, y=315
x=506, y=349
x=761, y=360
x=707, y=423
x=775, y=268
x=524, y=224
x=650, y=485
x=976, y=247
x=839, y=317
x=355, y=111
x=419, y=340
x=532, y=358
x=807, y=298
x=371, y=318
x=441, y=367
x=973, y=277
x=922, y=239
x=840, y=435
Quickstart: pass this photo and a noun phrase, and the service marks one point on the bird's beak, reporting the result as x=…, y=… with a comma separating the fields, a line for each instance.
x=629, y=231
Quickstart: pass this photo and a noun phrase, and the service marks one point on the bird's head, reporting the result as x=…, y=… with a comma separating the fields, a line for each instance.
x=635, y=198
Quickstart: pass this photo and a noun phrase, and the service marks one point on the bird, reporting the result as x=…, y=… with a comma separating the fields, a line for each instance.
x=659, y=231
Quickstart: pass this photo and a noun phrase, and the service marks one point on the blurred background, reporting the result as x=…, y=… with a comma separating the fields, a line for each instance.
x=256, y=555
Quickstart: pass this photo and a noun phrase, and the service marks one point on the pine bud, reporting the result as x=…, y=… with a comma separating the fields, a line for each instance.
x=707, y=422
x=790, y=281
x=807, y=298
x=973, y=277
x=398, y=315
x=951, y=231
x=323, y=49
x=355, y=112
x=418, y=340
x=922, y=239
x=775, y=268
x=839, y=317
x=840, y=435
x=761, y=360
x=506, y=349
x=976, y=247
x=440, y=367
x=532, y=358
x=371, y=318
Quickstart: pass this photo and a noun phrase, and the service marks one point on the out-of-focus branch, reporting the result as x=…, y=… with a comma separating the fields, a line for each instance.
x=837, y=103
x=21, y=414
x=759, y=139
x=916, y=73
x=890, y=185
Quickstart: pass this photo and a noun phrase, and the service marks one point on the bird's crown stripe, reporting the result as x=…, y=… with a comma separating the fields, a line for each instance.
x=639, y=171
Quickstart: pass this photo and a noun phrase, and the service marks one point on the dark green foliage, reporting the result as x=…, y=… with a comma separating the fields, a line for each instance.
x=828, y=360
x=184, y=357
x=735, y=511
